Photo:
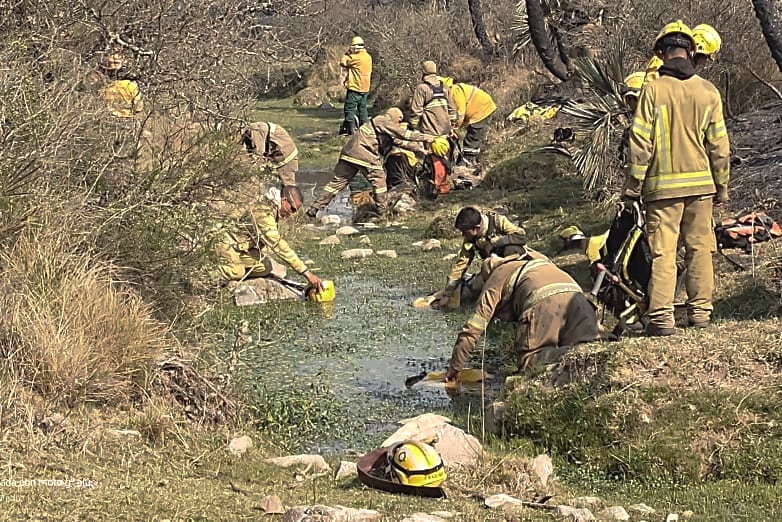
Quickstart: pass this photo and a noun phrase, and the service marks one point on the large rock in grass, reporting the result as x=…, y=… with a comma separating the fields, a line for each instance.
x=310, y=97
x=260, y=291
x=357, y=253
x=456, y=447
x=321, y=513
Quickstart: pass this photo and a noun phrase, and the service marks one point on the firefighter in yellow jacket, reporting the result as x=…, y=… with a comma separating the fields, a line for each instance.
x=364, y=153
x=550, y=311
x=484, y=233
x=244, y=245
x=275, y=147
x=474, y=107
x=357, y=63
x=679, y=163
x=121, y=94
x=432, y=106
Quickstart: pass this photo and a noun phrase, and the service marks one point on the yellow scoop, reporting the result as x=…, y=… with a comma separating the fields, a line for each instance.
x=466, y=376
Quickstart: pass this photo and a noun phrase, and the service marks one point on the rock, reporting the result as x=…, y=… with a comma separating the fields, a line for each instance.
x=456, y=447
x=336, y=92
x=422, y=517
x=642, y=509
x=404, y=204
x=357, y=253
x=494, y=415
x=309, y=262
x=364, y=240
x=126, y=434
x=449, y=257
x=327, y=106
x=272, y=505
x=239, y=445
x=261, y=290
x=346, y=231
x=430, y=244
x=444, y=514
x=346, y=470
x=368, y=225
x=331, y=219
x=575, y=514
x=53, y=422
x=542, y=468
x=588, y=502
x=309, y=97
x=672, y=517
x=310, y=463
x=419, y=427
x=321, y=513
x=330, y=240
x=500, y=500
x=417, y=244
x=613, y=513
x=387, y=253
x=687, y=514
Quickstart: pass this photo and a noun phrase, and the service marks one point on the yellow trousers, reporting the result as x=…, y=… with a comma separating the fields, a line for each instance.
x=667, y=220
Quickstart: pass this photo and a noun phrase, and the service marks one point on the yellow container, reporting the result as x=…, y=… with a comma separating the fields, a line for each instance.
x=324, y=296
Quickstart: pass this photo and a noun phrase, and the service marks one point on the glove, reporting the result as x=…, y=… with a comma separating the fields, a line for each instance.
x=440, y=146
x=722, y=195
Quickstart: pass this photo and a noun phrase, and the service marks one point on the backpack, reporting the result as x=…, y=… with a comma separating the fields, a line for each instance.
x=745, y=230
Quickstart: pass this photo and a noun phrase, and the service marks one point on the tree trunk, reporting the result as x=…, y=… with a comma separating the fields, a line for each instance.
x=476, y=14
x=542, y=41
x=769, y=12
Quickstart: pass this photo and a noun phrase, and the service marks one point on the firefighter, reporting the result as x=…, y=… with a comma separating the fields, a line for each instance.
x=121, y=94
x=275, y=147
x=243, y=247
x=364, y=153
x=594, y=247
x=432, y=105
x=634, y=83
x=550, y=311
x=707, y=44
x=474, y=107
x=357, y=63
x=402, y=162
x=486, y=233
x=680, y=164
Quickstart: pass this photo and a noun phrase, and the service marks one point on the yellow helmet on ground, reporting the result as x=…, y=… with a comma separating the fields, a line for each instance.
x=324, y=296
x=670, y=32
x=415, y=463
x=357, y=41
x=707, y=40
x=572, y=233
x=634, y=82
x=440, y=146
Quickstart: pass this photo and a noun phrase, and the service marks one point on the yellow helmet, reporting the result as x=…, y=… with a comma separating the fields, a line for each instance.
x=635, y=81
x=324, y=296
x=440, y=146
x=707, y=40
x=357, y=41
x=415, y=463
x=572, y=233
x=674, y=28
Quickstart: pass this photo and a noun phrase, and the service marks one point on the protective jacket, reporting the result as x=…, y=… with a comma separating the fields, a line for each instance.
x=433, y=107
x=498, y=235
x=375, y=139
x=472, y=104
x=274, y=145
x=678, y=141
x=548, y=305
x=123, y=98
x=358, y=70
x=596, y=247
x=252, y=236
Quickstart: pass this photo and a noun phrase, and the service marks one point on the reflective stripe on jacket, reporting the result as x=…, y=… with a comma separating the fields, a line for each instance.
x=678, y=142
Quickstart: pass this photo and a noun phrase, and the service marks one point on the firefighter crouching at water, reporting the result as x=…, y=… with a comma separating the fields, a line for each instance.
x=243, y=249
x=432, y=105
x=679, y=163
x=364, y=153
x=474, y=107
x=484, y=233
x=275, y=147
x=547, y=305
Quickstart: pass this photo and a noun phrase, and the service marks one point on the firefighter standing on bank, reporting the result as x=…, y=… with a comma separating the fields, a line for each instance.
x=275, y=147
x=364, y=153
x=547, y=305
x=474, y=107
x=432, y=106
x=680, y=164
x=484, y=233
x=357, y=63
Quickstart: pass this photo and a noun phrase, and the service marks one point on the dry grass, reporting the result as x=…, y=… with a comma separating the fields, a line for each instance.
x=69, y=330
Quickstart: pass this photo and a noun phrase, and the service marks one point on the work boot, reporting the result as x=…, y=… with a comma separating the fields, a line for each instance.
x=654, y=330
x=345, y=129
x=698, y=324
x=312, y=213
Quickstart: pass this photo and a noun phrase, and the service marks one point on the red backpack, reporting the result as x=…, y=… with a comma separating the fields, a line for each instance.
x=745, y=230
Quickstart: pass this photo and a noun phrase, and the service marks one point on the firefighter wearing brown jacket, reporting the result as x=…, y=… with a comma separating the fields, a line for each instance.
x=550, y=311
x=364, y=153
x=679, y=163
x=432, y=105
x=275, y=147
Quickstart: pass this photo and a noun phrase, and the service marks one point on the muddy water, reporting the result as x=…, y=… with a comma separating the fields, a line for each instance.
x=346, y=365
